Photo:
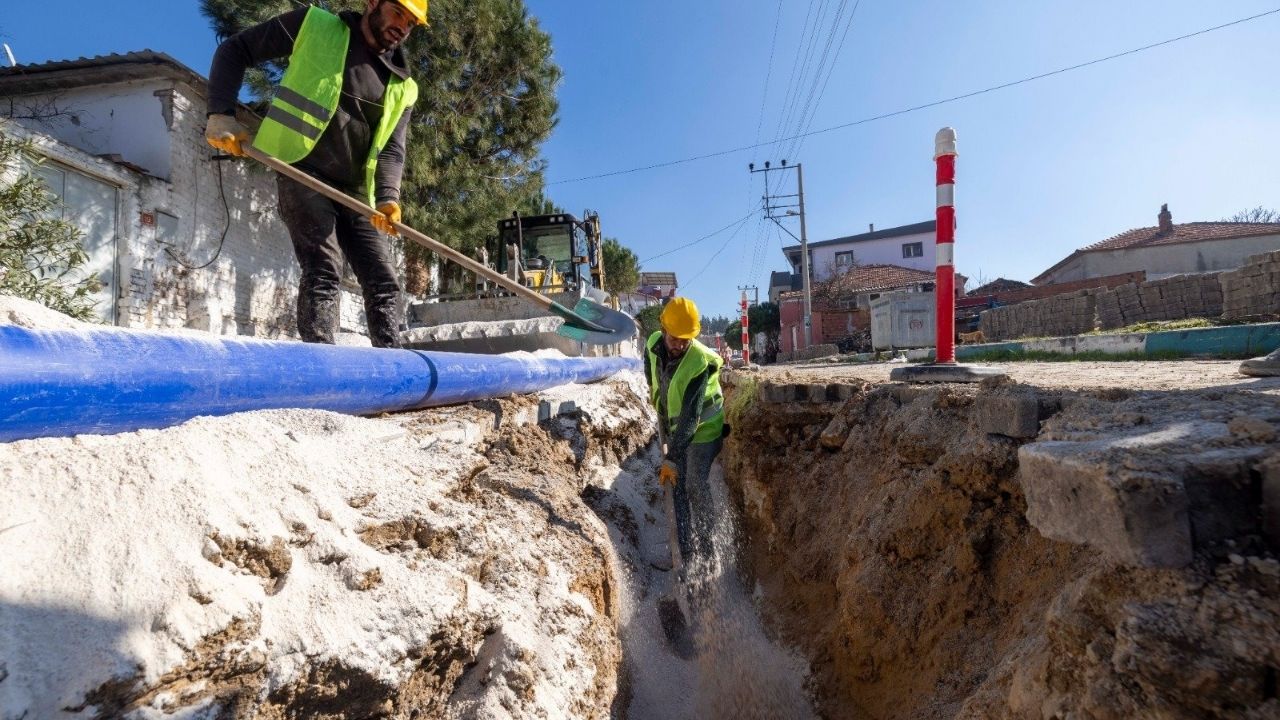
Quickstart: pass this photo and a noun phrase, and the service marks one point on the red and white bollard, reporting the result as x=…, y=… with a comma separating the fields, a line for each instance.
x=944, y=155
x=746, y=342
x=944, y=367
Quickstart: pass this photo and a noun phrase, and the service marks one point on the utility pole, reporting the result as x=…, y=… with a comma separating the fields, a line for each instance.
x=755, y=293
x=792, y=210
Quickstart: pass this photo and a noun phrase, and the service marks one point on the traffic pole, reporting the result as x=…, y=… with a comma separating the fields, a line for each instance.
x=746, y=343
x=944, y=367
x=944, y=156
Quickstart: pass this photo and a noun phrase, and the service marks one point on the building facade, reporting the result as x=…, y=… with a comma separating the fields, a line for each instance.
x=178, y=238
x=910, y=246
x=1167, y=249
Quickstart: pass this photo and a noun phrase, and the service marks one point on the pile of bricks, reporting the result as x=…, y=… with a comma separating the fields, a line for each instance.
x=1069, y=314
x=1253, y=291
x=1172, y=298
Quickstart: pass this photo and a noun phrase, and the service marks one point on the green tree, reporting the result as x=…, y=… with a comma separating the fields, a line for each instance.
x=41, y=258
x=621, y=267
x=762, y=318
x=649, y=320
x=486, y=103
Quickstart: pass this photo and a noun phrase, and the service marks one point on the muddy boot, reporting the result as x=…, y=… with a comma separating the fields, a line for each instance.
x=1266, y=366
x=317, y=317
x=384, y=326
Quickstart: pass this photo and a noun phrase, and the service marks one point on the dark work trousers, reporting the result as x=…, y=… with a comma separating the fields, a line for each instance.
x=323, y=232
x=695, y=524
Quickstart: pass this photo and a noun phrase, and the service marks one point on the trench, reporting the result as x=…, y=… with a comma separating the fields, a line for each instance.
x=882, y=551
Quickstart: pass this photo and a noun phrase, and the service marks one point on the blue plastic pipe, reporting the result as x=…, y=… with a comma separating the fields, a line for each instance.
x=109, y=380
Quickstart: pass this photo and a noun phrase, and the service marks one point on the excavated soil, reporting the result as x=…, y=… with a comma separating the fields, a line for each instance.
x=887, y=526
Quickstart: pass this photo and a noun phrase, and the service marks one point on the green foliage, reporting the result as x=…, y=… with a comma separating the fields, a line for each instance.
x=761, y=318
x=649, y=320
x=41, y=258
x=487, y=102
x=621, y=267
x=740, y=397
x=714, y=325
x=733, y=334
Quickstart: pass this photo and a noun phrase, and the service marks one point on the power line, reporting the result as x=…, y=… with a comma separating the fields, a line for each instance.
x=925, y=106
x=722, y=247
x=818, y=73
x=805, y=125
x=773, y=44
x=704, y=238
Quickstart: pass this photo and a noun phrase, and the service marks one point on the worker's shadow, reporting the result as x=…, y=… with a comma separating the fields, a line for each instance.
x=57, y=659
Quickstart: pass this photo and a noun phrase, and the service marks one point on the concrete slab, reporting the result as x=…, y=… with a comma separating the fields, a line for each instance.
x=944, y=373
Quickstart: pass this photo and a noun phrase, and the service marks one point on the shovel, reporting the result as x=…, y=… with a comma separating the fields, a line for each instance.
x=588, y=322
x=672, y=613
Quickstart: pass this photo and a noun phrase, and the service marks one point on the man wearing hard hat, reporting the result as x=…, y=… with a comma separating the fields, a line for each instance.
x=684, y=387
x=340, y=114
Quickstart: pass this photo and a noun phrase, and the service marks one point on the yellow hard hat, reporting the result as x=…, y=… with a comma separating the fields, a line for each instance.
x=417, y=8
x=680, y=319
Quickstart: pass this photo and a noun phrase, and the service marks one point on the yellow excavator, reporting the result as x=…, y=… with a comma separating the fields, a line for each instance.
x=552, y=253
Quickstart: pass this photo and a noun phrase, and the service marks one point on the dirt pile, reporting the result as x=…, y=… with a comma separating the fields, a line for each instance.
x=901, y=536
x=289, y=564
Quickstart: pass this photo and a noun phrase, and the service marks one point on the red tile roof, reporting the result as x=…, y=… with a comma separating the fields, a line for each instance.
x=870, y=278
x=1183, y=233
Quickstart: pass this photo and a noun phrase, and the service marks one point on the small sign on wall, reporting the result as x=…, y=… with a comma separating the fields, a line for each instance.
x=148, y=219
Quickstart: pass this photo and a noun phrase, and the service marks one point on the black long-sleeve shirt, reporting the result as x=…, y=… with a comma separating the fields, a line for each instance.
x=338, y=157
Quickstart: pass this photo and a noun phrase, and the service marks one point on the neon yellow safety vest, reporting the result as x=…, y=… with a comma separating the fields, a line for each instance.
x=693, y=365
x=309, y=92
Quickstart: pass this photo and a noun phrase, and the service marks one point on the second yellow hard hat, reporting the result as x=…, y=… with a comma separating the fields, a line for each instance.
x=680, y=319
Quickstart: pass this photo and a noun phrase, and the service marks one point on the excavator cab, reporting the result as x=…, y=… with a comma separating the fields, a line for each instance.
x=551, y=253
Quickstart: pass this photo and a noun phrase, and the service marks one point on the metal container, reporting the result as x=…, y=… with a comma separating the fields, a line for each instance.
x=902, y=320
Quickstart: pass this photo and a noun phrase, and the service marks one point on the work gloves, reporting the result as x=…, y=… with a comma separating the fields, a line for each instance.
x=225, y=133
x=667, y=474
x=388, y=213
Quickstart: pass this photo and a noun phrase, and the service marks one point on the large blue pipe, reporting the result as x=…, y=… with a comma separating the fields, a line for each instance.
x=108, y=380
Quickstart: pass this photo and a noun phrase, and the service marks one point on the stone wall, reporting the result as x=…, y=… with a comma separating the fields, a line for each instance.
x=1252, y=291
x=1069, y=314
x=1172, y=298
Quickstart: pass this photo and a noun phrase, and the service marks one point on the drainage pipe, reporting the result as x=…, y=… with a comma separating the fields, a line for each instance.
x=109, y=380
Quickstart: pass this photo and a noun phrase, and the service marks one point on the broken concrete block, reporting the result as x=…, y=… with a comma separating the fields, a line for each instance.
x=1015, y=416
x=1080, y=492
x=834, y=435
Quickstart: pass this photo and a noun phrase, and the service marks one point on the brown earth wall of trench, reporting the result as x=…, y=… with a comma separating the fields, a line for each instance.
x=887, y=526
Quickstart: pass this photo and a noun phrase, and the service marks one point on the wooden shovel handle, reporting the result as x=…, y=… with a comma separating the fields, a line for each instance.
x=434, y=246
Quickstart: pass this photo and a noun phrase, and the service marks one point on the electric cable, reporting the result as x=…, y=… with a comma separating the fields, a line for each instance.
x=728, y=240
x=701, y=239
x=806, y=124
x=924, y=106
x=226, y=208
x=818, y=73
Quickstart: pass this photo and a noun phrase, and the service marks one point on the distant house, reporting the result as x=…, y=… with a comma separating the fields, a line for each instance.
x=999, y=285
x=842, y=306
x=1167, y=249
x=652, y=289
x=783, y=281
x=177, y=237
x=910, y=246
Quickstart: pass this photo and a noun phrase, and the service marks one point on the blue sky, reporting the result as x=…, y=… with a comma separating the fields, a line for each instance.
x=1044, y=167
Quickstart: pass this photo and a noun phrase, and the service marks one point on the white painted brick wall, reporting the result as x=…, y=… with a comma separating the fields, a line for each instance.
x=250, y=287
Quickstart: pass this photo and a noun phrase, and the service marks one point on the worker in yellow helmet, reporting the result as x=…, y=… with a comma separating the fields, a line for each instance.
x=340, y=114
x=684, y=387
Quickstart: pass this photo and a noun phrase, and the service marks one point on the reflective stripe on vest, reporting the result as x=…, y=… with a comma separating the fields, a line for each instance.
x=309, y=92
x=697, y=359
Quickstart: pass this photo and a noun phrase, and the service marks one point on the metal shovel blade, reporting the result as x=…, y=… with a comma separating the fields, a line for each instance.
x=676, y=628
x=593, y=323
